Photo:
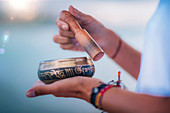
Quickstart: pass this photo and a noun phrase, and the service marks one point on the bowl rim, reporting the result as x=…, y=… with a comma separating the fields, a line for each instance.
x=66, y=59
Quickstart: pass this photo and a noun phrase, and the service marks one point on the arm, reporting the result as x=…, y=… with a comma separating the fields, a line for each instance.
x=127, y=57
x=114, y=100
x=118, y=100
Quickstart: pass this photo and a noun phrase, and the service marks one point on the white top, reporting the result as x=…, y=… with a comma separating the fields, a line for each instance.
x=154, y=77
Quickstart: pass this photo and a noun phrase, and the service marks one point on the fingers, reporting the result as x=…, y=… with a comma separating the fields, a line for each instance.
x=66, y=33
x=59, y=88
x=67, y=46
x=62, y=40
x=39, y=90
x=68, y=18
x=76, y=13
x=62, y=25
x=80, y=17
x=64, y=29
x=65, y=42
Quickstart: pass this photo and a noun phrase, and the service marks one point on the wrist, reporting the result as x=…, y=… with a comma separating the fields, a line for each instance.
x=110, y=43
x=87, y=84
x=97, y=94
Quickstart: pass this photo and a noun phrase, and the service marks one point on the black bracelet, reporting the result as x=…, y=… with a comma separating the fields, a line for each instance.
x=94, y=93
x=118, y=49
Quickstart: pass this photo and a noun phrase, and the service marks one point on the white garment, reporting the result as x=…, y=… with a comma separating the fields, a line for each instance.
x=154, y=77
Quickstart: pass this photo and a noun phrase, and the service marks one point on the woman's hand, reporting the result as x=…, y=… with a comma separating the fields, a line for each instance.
x=106, y=38
x=77, y=87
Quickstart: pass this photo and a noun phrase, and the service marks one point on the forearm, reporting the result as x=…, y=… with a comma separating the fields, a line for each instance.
x=122, y=101
x=127, y=57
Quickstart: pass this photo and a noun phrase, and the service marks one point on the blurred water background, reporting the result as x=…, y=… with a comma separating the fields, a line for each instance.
x=26, y=31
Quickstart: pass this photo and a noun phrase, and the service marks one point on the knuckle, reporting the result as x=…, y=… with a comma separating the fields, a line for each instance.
x=62, y=47
x=38, y=92
x=57, y=21
x=63, y=12
x=55, y=38
x=60, y=31
x=67, y=40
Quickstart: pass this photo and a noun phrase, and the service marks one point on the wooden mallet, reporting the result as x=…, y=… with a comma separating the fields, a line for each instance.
x=82, y=36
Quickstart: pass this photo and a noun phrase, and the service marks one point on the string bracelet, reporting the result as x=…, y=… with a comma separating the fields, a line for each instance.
x=97, y=95
x=100, y=96
x=98, y=92
x=94, y=93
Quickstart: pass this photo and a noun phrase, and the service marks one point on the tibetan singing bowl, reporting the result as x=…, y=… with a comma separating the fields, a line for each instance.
x=53, y=70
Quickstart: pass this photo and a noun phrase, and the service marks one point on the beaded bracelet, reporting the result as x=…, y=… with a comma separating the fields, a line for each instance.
x=95, y=91
x=100, y=96
x=98, y=92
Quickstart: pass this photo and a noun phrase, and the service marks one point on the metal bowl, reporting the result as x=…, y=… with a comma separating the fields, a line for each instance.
x=53, y=70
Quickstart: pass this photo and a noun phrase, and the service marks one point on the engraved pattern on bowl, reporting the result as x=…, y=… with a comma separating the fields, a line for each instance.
x=53, y=70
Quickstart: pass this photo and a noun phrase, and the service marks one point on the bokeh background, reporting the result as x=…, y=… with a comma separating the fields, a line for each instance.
x=26, y=31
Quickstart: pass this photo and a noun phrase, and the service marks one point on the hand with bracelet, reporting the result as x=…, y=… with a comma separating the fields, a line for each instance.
x=93, y=90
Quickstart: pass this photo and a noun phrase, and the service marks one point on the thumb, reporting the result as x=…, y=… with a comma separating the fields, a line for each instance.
x=81, y=17
x=38, y=91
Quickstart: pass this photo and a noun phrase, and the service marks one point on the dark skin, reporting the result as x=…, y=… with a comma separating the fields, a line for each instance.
x=115, y=99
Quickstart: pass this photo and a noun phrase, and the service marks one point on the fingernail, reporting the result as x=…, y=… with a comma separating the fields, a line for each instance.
x=64, y=27
x=31, y=94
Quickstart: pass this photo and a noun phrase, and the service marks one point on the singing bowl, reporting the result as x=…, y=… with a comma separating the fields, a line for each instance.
x=54, y=70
